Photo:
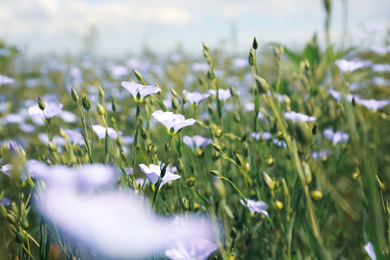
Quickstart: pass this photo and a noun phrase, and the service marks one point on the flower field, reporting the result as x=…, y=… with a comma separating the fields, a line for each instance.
x=281, y=154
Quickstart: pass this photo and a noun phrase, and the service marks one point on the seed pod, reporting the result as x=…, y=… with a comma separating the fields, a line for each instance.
x=3, y=212
x=185, y=203
x=216, y=147
x=251, y=58
x=316, y=194
x=174, y=103
x=100, y=109
x=233, y=231
x=123, y=156
x=285, y=188
x=74, y=95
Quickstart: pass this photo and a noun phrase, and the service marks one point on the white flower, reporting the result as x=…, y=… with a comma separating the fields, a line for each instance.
x=173, y=122
x=154, y=173
x=139, y=91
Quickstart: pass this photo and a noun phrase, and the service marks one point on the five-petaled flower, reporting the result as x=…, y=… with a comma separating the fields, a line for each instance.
x=154, y=174
x=256, y=206
x=139, y=91
x=195, y=97
x=196, y=141
x=173, y=122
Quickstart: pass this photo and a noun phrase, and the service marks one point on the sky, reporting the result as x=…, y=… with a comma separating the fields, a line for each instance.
x=163, y=26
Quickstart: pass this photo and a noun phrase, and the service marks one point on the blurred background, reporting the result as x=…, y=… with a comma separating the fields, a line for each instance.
x=127, y=27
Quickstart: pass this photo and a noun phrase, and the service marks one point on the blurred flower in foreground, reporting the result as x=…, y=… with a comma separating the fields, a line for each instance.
x=195, y=97
x=154, y=173
x=173, y=122
x=319, y=155
x=223, y=94
x=256, y=206
x=4, y=80
x=117, y=224
x=139, y=91
x=335, y=137
x=74, y=136
x=294, y=116
x=349, y=66
x=81, y=178
x=196, y=141
x=370, y=250
x=197, y=248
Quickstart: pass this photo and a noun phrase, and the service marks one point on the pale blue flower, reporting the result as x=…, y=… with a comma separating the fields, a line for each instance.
x=51, y=110
x=295, y=116
x=195, y=97
x=96, y=220
x=100, y=131
x=350, y=66
x=381, y=67
x=319, y=155
x=12, y=119
x=372, y=104
x=336, y=137
x=370, y=250
x=154, y=173
x=380, y=49
x=379, y=81
x=4, y=80
x=194, y=249
x=196, y=141
x=138, y=91
x=68, y=117
x=75, y=136
x=173, y=122
x=259, y=135
x=223, y=94
x=256, y=206
x=5, y=201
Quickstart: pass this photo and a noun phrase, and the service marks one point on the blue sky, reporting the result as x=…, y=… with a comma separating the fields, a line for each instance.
x=124, y=26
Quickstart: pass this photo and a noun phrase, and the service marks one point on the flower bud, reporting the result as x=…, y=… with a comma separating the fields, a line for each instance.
x=251, y=58
x=255, y=45
x=237, y=118
x=233, y=231
x=174, y=93
x=238, y=159
x=306, y=172
x=119, y=141
x=100, y=109
x=123, y=156
x=74, y=95
x=210, y=74
x=190, y=182
x=285, y=188
x=143, y=133
x=63, y=134
x=205, y=47
x=245, y=150
x=278, y=204
x=262, y=85
x=268, y=181
x=138, y=75
x=185, y=203
x=174, y=103
x=316, y=194
x=101, y=92
x=270, y=161
x=41, y=104
x=302, y=132
x=216, y=156
x=114, y=105
x=216, y=147
x=86, y=102
x=3, y=212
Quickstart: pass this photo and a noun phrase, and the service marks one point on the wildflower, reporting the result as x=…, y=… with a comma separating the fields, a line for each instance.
x=256, y=206
x=74, y=136
x=319, y=155
x=372, y=104
x=4, y=80
x=370, y=250
x=139, y=91
x=379, y=81
x=338, y=96
x=223, y=94
x=68, y=117
x=261, y=135
x=350, y=66
x=195, y=97
x=100, y=216
x=51, y=110
x=335, y=137
x=5, y=201
x=294, y=116
x=196, y=248
x=381, y=67
x=173, y=122
x=100, y=131
x=380, y=49
x=154, y=174
x=196, y=141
